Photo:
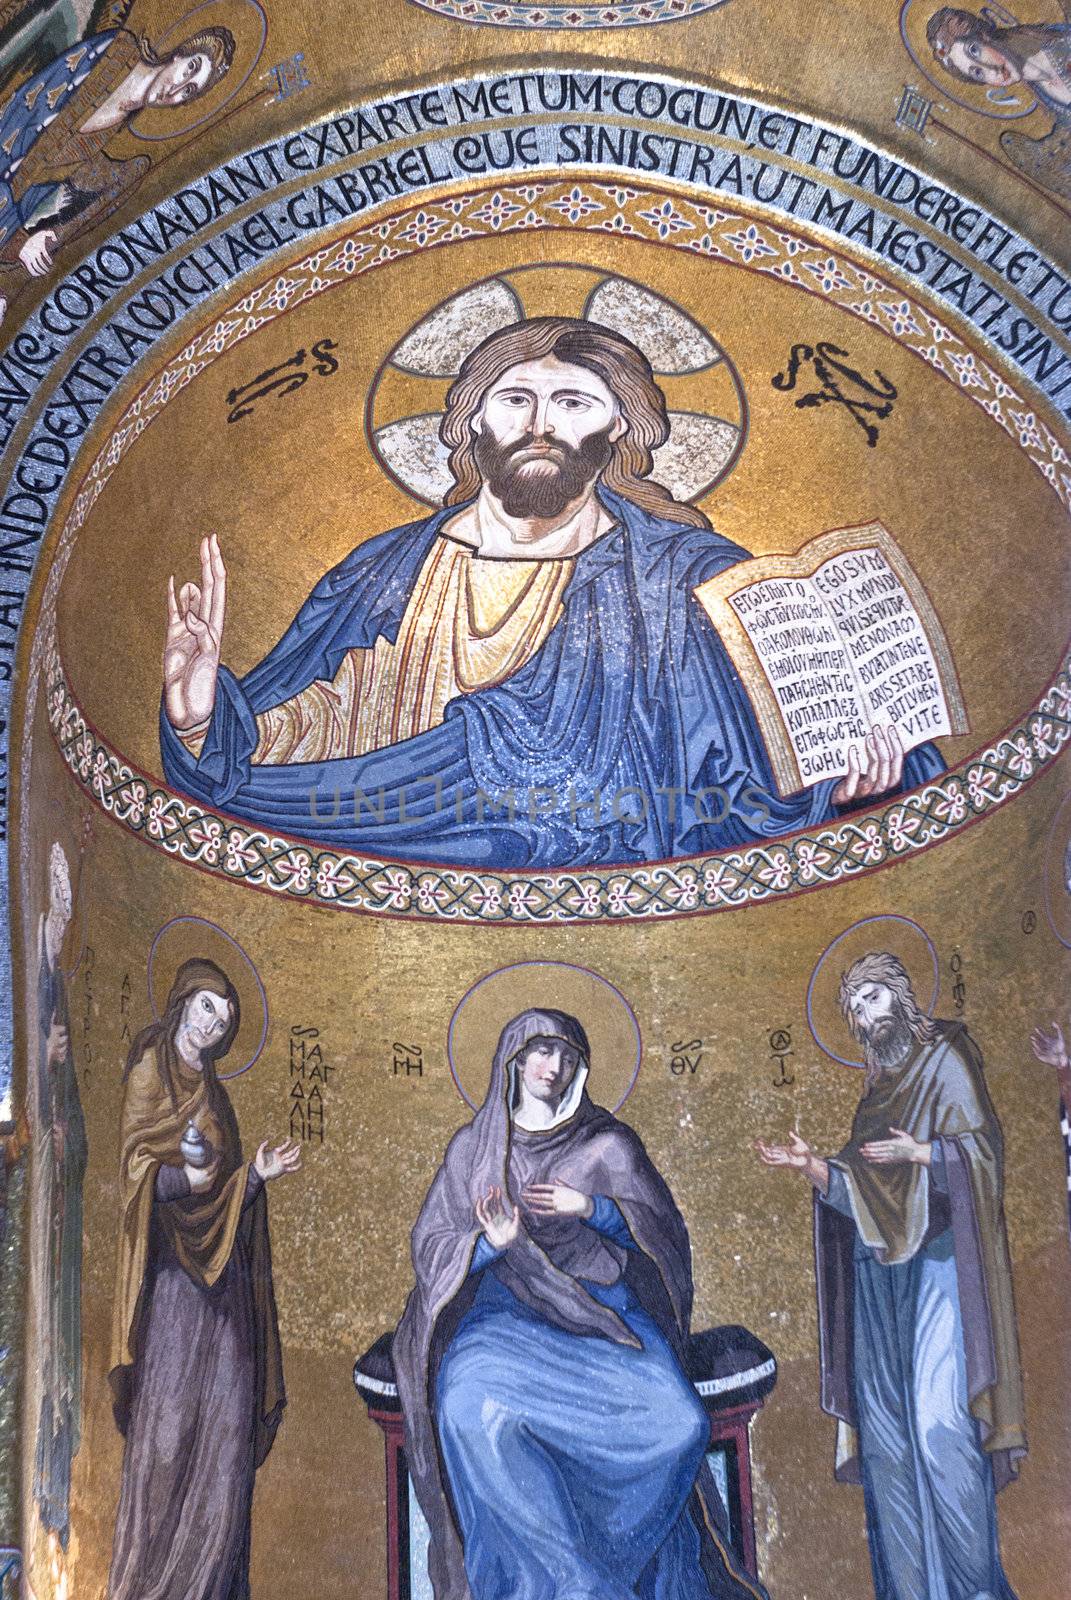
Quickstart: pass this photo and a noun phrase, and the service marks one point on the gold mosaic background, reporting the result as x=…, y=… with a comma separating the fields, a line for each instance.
x=290, y=491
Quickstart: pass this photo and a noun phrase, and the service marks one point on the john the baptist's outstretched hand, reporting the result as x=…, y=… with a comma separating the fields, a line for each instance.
x=797, y=1154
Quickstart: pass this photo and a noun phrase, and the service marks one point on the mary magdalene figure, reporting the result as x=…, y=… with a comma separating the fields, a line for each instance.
x=554, y=1441
x=196, y=1369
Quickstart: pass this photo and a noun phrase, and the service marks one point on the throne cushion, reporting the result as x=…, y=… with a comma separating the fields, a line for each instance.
x=727, y=1366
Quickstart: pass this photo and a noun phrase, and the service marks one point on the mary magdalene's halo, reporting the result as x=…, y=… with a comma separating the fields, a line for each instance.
x=888, y=932
x=688, y=362
x=602, y=1010
x=184, y=938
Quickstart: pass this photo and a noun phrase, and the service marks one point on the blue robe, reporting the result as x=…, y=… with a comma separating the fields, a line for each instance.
x=628, y=736
x=577, y=1486
x=928, y=1485
x=34, y=106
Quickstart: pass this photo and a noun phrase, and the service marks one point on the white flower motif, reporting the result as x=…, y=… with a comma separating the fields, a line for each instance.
x=584, y=900
x=665, y=219
x=131, y=807
x=812, y=859
x=900, y=317
x=520, y=900
x=869, y=845
x=952, y=805
x=902, y=824
x=161, y=819
x=720, y=882
x=239, y=856
x=427, y=899
x=980, y=781
x=332, y=879
x=206, y=837
x=100, y=773
x=1046, y=739
x=399, y=889
x=749, y=243
x=778, y=870
x=830, y=277
x=1021, y=759
x=576, y=205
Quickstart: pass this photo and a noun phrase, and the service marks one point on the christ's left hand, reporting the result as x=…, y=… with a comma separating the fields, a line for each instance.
x=900, y=1147
x=557, y=1199
x=875, y=767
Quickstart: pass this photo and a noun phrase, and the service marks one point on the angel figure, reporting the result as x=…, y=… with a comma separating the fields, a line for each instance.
x=978, y=51
x=55, y=178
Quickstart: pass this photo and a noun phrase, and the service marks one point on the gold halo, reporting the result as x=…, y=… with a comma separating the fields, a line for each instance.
x=606, y=1016
x=900, y=937
x=405, y=402
x=184, y=938
x=248, y=23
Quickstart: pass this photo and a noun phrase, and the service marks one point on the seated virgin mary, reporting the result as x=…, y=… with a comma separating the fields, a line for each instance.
x=557, y=1449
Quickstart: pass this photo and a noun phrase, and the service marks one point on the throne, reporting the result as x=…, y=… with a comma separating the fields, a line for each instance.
x=732, y=1372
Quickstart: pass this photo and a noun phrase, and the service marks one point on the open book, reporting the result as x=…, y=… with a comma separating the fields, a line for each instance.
x=829, y=643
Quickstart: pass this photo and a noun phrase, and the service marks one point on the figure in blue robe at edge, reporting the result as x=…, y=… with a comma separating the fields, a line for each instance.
x=554, y=1442
x=522, y=679
x=917, y=1329
x=56, y=179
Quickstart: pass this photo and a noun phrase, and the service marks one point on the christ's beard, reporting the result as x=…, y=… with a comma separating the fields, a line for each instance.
x=541, y=486
x=887, y=1043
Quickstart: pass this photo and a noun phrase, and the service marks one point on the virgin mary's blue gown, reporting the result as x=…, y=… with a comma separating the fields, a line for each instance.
x=571, y=1460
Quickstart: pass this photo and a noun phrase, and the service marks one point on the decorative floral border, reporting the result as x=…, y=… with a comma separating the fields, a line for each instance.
x=831, y=854
x=286, y=866
x=510, y=14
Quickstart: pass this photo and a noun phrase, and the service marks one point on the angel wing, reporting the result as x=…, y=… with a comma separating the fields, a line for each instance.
x=35, y=32
x=1047, y=160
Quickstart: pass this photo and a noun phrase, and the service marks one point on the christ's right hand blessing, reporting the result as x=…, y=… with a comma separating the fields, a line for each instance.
x=500, y=1226
x=194, y=636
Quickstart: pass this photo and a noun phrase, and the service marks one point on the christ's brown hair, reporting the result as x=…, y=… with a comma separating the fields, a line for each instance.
x=622, y=367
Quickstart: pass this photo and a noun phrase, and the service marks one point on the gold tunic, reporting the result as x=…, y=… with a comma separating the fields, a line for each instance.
x=470, y=622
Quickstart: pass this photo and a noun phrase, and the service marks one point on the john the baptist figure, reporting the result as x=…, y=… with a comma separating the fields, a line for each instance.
x=196, y=1370
x=55, y=179
x=555, y=1444
x=919, y=1350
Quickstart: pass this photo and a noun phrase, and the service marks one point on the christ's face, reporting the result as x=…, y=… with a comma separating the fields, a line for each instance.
x=983, y=63
x=548, y=1067
x=543, y=435
x=180, y=81
x=875, y=1013
x=206, y=1018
